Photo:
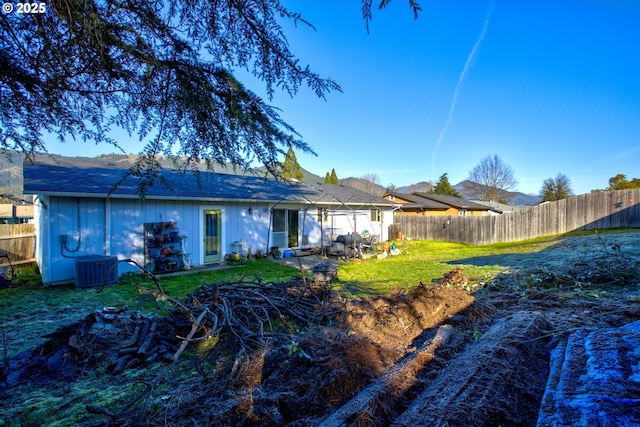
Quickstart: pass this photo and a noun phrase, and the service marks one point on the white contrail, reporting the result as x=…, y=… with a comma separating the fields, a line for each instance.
x=463, y=75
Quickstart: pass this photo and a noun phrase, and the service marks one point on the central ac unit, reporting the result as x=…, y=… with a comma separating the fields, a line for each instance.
x=96, y=270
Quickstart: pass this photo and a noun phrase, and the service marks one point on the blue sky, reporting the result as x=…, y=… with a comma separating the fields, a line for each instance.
x=549, y=86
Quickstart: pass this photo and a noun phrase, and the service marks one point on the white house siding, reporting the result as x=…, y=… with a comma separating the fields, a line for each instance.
x=252, y=227
x=81, y=220
x=126, y=226
x=98, y=226
x=128, y=217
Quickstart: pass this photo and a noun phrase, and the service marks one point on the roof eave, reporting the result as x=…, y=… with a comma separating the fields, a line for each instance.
x=204, y=199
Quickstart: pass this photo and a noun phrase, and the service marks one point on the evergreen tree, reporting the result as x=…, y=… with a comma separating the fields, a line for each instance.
x=444, y=187
x=547, y=192
x=163, y=71
x=331, y=178
x=291, y=169
x=334, y=177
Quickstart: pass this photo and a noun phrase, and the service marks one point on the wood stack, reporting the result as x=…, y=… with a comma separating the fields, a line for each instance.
x=149, y=342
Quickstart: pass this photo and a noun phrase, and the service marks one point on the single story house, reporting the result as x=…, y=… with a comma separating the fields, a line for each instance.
x=408, y=204
x=499, y=207
x=426, y=204
x=202, y=218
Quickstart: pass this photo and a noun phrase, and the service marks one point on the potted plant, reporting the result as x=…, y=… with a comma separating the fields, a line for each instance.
x=275, y=252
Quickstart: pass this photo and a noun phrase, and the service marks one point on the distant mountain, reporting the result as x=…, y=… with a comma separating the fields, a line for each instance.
x=125, y=161
x=515, y=198
x=522, y=199
x=10, y=177
x=420, y=187
x=363, y=185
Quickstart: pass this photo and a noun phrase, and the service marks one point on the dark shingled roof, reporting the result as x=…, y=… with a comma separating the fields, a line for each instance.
x=57, y=180
x=417, y=202
x=452, y=201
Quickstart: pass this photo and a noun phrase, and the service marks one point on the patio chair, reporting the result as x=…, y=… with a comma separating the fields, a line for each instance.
x=369, y=242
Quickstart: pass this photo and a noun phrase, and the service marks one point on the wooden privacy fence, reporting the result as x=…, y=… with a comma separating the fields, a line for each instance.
x=18, y=242
x=601, y=210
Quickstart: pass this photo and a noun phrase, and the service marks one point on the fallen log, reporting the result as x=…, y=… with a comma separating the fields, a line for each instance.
x=146, y=345
x=125, y=351
x=119, y=365
x=142, y=336
x=130, y=341
x=497, y=381
x=393, y=383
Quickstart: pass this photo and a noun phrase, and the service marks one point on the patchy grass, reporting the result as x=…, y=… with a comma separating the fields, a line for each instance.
x=427, y=261
x=29, y=310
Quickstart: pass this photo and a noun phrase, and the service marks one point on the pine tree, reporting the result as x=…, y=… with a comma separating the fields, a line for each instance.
x=444, y=187
x=291, y=169
x=331, y=178
x=161, y=71
x=334, y=177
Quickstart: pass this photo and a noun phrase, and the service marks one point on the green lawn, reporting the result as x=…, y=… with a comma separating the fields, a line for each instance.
x=29, y=310
x=427, y=261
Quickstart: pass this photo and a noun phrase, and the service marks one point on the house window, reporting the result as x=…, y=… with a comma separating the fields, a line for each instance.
x=462, y=212
x=376, y=215
x=279, y=220
x=392, y=197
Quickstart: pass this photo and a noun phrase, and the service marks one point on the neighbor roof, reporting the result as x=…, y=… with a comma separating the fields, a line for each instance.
x=416, y=202
x=456, y=202
x=56, y=180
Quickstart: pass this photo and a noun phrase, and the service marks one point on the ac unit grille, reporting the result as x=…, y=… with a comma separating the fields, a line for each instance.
x=96, y=270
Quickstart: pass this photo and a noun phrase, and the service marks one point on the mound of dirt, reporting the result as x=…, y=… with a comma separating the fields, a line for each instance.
x=298, y=378
x=395, y=320
x=271, y=379
x=497, y=381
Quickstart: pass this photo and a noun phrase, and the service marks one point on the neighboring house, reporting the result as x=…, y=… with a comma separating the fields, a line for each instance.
x=424, y=204
x=498, y=207
x=409, y=204
x=76, y=216
x=15, y=214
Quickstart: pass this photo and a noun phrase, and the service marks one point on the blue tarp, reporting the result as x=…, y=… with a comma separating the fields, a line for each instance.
x=594, y=379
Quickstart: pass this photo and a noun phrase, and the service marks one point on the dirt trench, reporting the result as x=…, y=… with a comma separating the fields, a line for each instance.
x=373, y=362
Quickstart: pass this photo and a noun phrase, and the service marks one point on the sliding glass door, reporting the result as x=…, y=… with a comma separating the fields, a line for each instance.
x=286, y=228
